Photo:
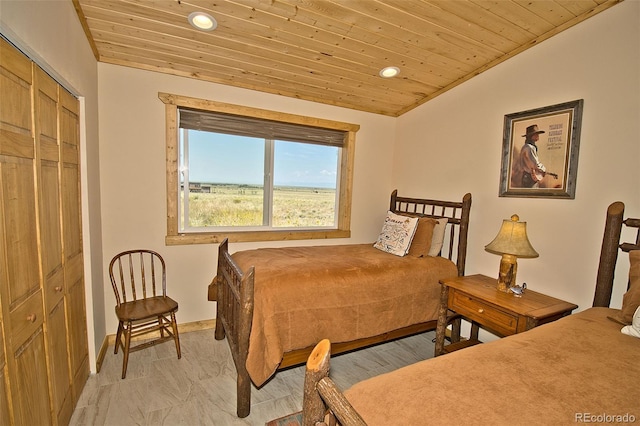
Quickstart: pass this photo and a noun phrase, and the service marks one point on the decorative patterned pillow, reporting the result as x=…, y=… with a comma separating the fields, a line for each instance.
x=397, y=233
x=631, y=299
x=438, y=237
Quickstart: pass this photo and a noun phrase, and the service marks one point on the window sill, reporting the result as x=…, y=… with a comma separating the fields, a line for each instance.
x=239, y=237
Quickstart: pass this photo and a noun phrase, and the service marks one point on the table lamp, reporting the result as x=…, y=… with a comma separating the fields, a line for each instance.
x=511, y=243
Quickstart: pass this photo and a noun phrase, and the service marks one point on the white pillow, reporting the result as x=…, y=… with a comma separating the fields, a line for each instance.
x=397, y=233
x=438, y=237
x=634, y=328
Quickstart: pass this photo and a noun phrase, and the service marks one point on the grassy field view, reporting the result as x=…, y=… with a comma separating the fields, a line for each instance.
x=241, y=205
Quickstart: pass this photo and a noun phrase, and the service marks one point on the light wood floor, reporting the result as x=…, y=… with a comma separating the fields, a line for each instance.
x=200, y=388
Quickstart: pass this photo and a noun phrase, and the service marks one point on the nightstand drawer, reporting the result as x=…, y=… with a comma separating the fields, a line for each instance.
x=487, y=315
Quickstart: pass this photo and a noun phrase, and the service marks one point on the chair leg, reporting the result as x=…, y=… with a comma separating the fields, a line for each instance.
x=161, y=323
x=118, y=337
x=176, y=338
x=127, y=343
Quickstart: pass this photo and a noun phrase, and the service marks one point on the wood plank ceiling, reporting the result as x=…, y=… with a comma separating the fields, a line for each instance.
x=328, y=51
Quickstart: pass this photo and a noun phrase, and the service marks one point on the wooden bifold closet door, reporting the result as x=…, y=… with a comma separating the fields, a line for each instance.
x=44, y=363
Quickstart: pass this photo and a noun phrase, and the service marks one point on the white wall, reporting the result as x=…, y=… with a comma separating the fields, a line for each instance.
x=132, y=162
x=50, y=33
x=452, y=145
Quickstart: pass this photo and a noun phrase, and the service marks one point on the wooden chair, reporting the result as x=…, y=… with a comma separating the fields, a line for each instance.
x=138, y=278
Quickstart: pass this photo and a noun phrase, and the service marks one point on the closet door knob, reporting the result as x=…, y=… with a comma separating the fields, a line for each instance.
x=31, y=317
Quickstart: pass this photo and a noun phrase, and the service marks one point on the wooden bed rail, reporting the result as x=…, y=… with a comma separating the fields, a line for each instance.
x=632, y=223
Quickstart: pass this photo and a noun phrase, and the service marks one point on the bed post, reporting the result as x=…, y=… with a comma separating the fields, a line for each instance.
x=244, y=331
x=313, y=407
x=463, y=234
x=392, y=204
x=322, y=395
x=609, y=254
x=219, y=332
x=234, y=314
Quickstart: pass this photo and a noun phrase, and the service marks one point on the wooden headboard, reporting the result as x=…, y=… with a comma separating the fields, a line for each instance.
x=457, y=215
x=611, y=245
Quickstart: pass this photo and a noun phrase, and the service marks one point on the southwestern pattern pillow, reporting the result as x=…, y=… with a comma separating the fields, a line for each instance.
x=397, y=233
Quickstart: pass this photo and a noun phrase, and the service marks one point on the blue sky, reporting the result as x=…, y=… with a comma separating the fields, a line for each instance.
x=218, y=158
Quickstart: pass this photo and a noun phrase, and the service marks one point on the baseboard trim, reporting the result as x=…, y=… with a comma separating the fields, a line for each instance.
x=110, y=339
x=102, y=352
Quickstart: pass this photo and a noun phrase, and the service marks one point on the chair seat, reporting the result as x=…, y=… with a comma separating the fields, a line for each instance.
x=146, y=308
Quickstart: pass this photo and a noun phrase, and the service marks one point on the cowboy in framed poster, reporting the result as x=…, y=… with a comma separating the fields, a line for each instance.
x=540, y=152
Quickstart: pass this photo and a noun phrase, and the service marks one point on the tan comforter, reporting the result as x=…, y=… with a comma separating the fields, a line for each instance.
x=343, y=293
x=576, y=370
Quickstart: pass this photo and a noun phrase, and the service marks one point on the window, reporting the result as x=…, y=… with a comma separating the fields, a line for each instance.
x=248, y=174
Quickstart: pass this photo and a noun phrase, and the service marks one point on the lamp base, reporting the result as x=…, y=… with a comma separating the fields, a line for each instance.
x=507, y=273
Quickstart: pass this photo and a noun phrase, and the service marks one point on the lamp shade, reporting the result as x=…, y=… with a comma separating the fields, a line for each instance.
x=512, y=239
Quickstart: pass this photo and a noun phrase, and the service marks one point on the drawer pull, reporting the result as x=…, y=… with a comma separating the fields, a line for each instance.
x=480, y=310
x=58, y=288
x=31, y=317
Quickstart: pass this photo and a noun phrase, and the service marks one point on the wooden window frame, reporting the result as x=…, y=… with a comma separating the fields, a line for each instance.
x=174, y=237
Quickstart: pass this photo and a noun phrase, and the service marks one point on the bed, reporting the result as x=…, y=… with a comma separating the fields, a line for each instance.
x=578, y=369
x=275, y=304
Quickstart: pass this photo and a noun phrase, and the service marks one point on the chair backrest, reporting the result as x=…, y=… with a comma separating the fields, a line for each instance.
x=137, y=274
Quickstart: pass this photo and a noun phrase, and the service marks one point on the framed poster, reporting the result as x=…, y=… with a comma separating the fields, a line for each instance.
x=540, y=152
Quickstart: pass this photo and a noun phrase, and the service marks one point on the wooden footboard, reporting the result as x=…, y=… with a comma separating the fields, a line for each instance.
x=233, y=319
x=234, y=292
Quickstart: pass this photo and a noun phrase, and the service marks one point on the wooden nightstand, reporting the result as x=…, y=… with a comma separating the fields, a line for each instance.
x=476, y=298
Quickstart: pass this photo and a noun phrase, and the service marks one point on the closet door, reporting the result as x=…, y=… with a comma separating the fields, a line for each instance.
x=72, y=240
x=5, y=416
x=48, y=155
x=20, y=287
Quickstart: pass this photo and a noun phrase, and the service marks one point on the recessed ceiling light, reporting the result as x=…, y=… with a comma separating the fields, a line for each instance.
x=389, y=72
x=202, y=21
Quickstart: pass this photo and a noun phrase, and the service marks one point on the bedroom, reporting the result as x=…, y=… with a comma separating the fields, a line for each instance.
x=442, y=149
